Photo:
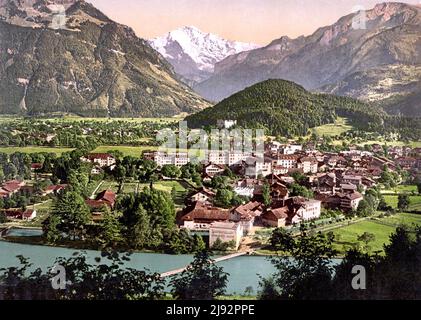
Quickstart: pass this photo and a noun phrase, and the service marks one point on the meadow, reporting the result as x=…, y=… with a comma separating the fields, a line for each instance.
x=381, y=228
x=35, y=149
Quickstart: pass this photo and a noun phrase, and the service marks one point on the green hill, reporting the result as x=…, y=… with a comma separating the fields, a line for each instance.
x=285, y=108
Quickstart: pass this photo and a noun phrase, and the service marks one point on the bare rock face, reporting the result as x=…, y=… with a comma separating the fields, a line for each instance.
x=67, y=56
x=334, y=57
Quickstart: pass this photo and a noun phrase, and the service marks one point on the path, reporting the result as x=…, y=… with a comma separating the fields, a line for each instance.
x=227, y=257
x=96, y=189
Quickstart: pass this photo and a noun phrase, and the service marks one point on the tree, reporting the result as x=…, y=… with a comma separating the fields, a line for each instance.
x=108, y=280
x=223, y=198
x=419, y=188
x=309, y=274
x=74, y=214
x=135, y=221
x=3, y=218
x=367, y=237
x=282, y=240
x=266, y=195
x=171, y=171
x=110, y=233
x=51, y=230
x=403, y=202
x=160, y=207
x=202, y=280
x=301, y=191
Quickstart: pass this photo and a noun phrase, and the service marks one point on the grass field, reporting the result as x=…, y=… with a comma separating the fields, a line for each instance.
x=408, y=189
x=403, y=218
x=414, y=202
x=382, y=229
x=10, y=150
x=347, y=236
x=126, y=150
x=340, y=126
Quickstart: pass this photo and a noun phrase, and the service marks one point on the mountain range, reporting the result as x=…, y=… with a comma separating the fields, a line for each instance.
x=66, y=56
x=194, y=53
x=379, y=61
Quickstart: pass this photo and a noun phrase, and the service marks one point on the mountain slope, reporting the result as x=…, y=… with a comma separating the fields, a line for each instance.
x=193, y=53
x=283, y=107
x=331, y=54
x=89, y=65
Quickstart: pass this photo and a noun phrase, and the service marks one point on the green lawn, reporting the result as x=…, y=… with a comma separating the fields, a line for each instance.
x=340, y=126
x=348, y=235
x=58, y=151
x=167, y=186
x=403, y=218
x=408, y=189
x=109, y=185
x=126, y=150
x=381, y=228
x=414, y=202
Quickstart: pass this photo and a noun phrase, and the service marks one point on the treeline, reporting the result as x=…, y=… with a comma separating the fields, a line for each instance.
x=78, y=134
x=285, y=108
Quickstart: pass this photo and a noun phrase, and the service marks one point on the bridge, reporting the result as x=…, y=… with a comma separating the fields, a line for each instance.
x=230, y=256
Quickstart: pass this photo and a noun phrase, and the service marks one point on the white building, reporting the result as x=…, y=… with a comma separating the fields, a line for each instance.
x=177, y=159
x=226, y=232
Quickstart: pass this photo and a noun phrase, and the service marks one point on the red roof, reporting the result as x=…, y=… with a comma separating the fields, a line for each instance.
x=57, y=187
x=106, y=196
x=202, y=212
x=12, y=186
x=36, y=166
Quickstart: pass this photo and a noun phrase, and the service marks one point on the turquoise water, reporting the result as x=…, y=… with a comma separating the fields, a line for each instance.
x=243, y=270
x=15, y=232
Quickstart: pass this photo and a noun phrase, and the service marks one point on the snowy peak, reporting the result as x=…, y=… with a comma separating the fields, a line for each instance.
x=189, y=45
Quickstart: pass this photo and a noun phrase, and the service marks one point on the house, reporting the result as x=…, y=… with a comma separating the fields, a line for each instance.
x=291, y=149
x=275, y=217
x=226, y=232
x=178, y=159
x=96, y=169
x=213, y=169
x=295, y=210
x=279, y=191
x=203, y=195
x=54, y=189
x=287, y=161
x=351, y=179
x=308, y=164
x=105, y=198
x=246, y=214
x=226, y=124
x=350, y=201
x=10, y=188
x=301, y=209
x=199, y=216
x=101, y=159
x=19, y=214
x=344, y=201
x=406, y=162
x=258, y=166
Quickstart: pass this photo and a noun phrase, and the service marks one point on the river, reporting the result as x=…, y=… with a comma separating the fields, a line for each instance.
x=243, y=271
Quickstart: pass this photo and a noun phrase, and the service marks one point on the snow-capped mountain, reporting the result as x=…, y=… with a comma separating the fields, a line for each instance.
x=194, y=53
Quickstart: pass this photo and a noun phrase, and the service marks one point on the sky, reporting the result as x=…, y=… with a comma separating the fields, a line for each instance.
x=256, y=21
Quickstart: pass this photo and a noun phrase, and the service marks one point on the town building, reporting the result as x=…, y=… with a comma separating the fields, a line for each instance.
x=226, y=232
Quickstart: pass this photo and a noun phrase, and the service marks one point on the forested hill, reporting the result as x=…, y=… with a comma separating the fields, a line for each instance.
x=283, y=107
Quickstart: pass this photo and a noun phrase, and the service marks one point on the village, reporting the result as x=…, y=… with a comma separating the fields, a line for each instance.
x=238, y=193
